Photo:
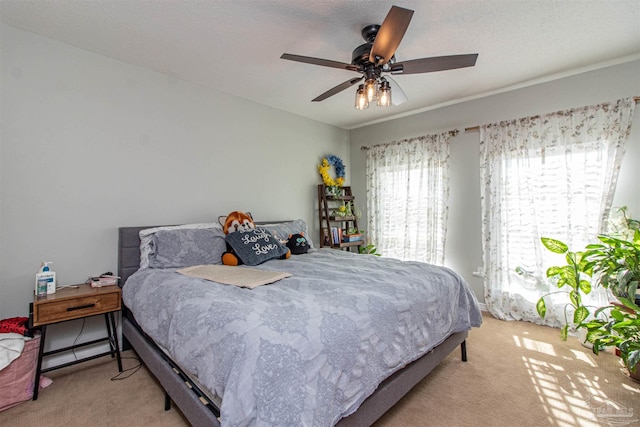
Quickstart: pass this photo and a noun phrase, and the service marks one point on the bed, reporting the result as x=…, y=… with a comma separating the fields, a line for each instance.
x=305, y=362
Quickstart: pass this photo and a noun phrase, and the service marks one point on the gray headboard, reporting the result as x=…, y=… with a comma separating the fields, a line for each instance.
x=129, y=251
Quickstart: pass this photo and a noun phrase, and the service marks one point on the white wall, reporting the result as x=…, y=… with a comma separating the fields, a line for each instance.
x=463, y=246
x=89, y=144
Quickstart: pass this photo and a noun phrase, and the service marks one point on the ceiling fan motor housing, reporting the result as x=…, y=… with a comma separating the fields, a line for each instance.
x=360, y=55
x=370, y=32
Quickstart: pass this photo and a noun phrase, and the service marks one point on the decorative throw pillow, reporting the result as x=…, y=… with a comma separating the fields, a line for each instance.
x=146, y=238
x=187, y=247
x=256, y=246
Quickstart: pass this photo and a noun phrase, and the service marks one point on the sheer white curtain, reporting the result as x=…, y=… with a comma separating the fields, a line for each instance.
x=407, y=195
x=546, y=176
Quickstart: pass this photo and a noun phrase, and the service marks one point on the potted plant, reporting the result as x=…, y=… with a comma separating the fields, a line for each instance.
x=574, y=277
x=620, y=329
x=369, y=249
x=616, y=258
x=616, y=266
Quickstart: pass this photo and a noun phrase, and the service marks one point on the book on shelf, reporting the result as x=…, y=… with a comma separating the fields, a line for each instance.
x=336, y=232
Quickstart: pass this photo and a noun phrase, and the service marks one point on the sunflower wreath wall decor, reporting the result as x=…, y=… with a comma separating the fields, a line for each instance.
x=333, y=185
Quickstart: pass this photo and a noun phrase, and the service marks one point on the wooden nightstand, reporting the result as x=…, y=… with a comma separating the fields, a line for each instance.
x=76, y=303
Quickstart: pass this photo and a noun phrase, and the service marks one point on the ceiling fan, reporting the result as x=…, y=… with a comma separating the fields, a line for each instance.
x=376, y=58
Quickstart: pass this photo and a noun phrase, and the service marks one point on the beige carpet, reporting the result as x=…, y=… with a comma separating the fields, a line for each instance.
x=517, y=374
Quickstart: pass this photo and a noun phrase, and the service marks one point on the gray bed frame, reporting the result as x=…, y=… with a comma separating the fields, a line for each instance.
x=195, y=405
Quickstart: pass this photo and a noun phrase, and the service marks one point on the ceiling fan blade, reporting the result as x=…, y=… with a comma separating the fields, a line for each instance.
x=319, y=61
x=397, y=94
x=390, y=35
x=337, y=89
x=436, y=63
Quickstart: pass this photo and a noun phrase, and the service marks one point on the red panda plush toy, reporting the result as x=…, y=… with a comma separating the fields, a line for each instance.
x=242, y=222
x=235, y=221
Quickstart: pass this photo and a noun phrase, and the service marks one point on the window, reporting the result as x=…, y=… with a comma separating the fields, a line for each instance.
x=547, y=176
x=407, y=194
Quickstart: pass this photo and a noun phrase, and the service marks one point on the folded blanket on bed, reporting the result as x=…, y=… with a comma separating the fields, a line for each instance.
x=237, y=276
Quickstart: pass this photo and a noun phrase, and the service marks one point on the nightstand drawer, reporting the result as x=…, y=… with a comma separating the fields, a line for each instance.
x=75, y=308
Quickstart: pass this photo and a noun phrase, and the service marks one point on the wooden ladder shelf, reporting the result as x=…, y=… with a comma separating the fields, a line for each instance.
x=333, y=227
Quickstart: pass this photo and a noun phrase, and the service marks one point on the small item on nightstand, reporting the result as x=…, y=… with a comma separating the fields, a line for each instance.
x=50, y=277
x=105, y=279
x=41, y=286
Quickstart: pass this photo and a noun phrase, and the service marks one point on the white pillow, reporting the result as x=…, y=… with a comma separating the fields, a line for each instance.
x=146, y=238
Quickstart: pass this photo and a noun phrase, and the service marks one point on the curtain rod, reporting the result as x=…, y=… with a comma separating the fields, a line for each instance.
x=453, y=132
x=477, y=128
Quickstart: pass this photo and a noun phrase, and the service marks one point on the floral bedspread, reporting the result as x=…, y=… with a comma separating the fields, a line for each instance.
x=308, y=349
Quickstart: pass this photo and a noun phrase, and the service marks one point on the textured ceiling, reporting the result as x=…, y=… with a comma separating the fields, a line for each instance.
x=235, y=45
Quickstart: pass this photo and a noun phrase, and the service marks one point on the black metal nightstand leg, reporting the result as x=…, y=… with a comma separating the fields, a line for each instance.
x=109, y=334
x=113, y=334
x=36, y=383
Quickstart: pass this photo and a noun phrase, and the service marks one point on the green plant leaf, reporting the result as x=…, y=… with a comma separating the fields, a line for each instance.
x=564, y=332
x=541, y=307
x=594, y=246
x=585, y=286
x=596, y=346
x=369, y=249
x=587, y=266
x=633, y=358
x=619, y=326
x=632, y=288
x=572, y=259
x=561, y=282
x=580, y=314
x=594, y=324
x=555, y=246
x=575, y=298
x=624, y=347
x=601, y=310
x=569, y=274
x=612, y=241
x=629, y=304
x=616, y=314
x=554, y=271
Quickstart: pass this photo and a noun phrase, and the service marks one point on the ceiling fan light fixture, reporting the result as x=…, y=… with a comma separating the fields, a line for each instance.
x=362, y=101
x=384, y=94
x=371, y=88
x=378, y=56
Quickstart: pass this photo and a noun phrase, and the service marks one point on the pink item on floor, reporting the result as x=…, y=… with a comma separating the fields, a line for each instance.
x=16, y=380
x=45, y=381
